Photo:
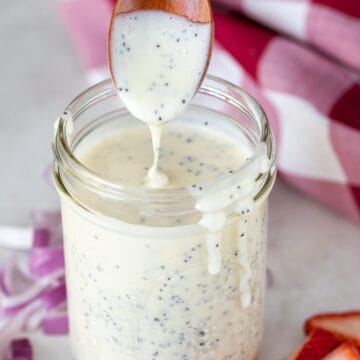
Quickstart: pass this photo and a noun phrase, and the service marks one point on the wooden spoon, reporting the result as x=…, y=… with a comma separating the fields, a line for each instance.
x=197, y=11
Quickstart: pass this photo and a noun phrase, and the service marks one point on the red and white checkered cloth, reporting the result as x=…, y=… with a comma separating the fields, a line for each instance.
x=330, y=25
x=313, y=102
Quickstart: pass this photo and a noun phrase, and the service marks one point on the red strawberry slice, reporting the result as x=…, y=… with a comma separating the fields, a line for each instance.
x=345, y=326
x=345, y=351
x=317, y=345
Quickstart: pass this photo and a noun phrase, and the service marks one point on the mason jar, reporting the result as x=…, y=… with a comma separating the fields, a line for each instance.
x=137, y=259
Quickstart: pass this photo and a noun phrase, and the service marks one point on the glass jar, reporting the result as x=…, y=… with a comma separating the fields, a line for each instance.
x=141, y=289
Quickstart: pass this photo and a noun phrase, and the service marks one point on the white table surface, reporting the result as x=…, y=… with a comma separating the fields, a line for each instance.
x=313, y=252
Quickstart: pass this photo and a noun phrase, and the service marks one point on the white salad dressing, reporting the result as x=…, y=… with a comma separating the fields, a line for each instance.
x=214, y=207
x=158, y=60
x=155, y=179
x=159, y=283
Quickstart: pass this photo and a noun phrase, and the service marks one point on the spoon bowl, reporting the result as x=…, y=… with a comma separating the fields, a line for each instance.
x=139, y=49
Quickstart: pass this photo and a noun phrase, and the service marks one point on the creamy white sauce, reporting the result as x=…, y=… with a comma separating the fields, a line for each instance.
x=156, y=179
x=214, y=207
x=136, y=290
x=158, y=60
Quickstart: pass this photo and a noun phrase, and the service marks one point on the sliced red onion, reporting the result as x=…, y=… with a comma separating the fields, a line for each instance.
x=54, y=297
x=15, y=276
x=8, y=274
x=23, y=238
x=12, y=327
x=21, y=349
x=32, y=285
x=6, y=277
x=12, y=306
x=55, y=325
x=45, y=261
x=23, y=267
x=17, y=238
x=41, y=237
x=3, y=289
x=33, y=321
x=13, y=310
x=50, y=220
x=34, y=292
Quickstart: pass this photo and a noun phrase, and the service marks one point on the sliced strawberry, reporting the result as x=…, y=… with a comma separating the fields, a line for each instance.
x=345, y=326
x=317, y=345
x=345, y=351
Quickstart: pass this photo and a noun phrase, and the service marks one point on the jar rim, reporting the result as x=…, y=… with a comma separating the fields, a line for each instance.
x=64, y=156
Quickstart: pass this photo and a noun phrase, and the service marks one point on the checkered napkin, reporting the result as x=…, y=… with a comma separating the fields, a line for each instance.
x=310, y=91
x=331, y=26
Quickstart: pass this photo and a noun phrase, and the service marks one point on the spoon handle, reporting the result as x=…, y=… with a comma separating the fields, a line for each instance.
x=195, y=10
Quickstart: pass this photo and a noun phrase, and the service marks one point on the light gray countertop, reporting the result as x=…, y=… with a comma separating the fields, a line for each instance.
x=314, y=253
